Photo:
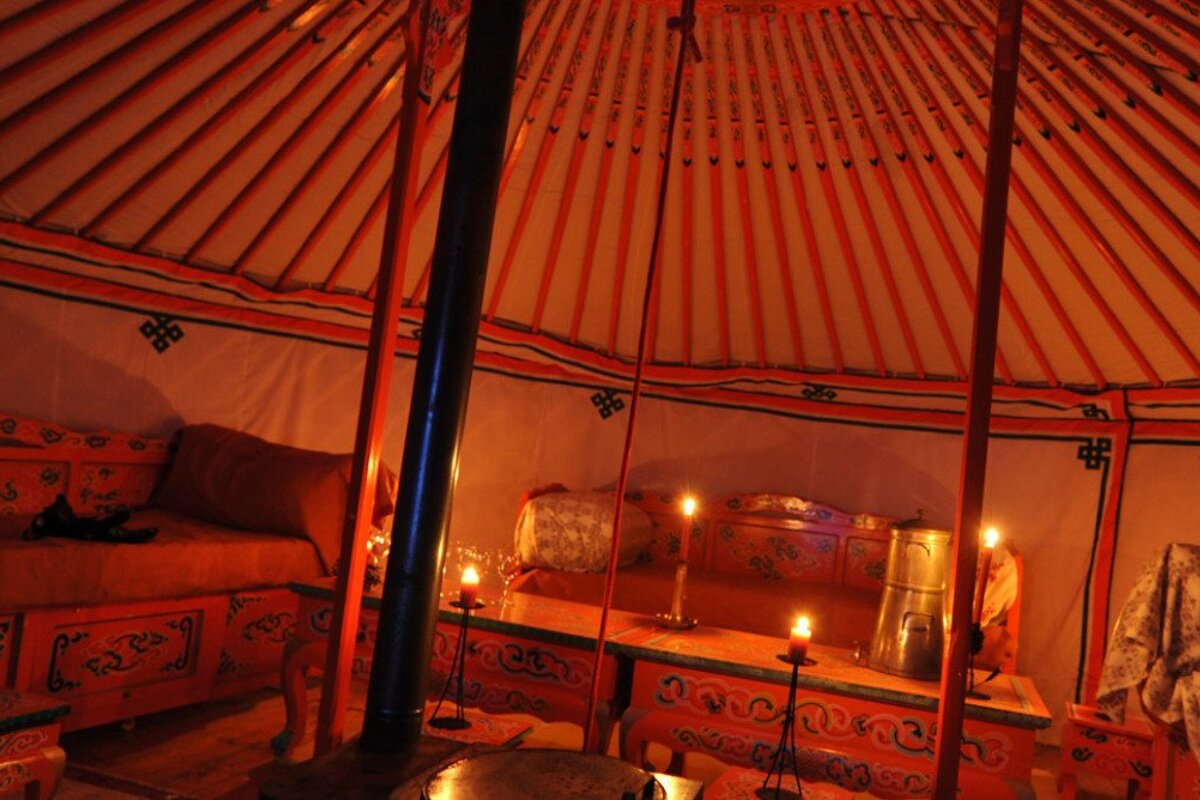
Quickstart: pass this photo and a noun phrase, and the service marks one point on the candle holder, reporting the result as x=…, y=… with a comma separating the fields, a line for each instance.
x=784, y=759
x=455, y=678
x=976, y=647
x=675, y=618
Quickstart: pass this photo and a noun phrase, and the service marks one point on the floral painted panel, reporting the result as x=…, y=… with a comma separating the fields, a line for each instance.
x=22, y=432
x=105, y=655
x=668, y=539
x=105, y=488
x=257, y=626
x=775, y=554
x=99, y=472
x=866, y=562
x=668, y=524
x=27, y=487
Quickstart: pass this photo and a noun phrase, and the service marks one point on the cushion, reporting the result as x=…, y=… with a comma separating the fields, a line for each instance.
x=188, y=557
x=235, y=479
x=572, y=531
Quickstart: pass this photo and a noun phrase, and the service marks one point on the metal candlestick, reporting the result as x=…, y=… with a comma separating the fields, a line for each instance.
x=455, y=678
x=675, y=618
x=785, y=751
x=976, y=647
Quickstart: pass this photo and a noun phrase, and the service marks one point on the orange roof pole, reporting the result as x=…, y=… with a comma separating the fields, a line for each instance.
x=335, y=688
x=979, y=397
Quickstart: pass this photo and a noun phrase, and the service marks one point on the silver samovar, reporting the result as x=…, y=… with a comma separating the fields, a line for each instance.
x=910, y=629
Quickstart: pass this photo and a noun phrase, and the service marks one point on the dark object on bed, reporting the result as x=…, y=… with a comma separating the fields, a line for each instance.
x=59, y=519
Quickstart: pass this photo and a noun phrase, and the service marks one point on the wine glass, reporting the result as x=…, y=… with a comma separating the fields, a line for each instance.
x=508, y=566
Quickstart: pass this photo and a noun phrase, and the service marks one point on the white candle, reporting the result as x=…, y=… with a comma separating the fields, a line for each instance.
x=798, y=641
x=991, y=538
x=468, y=590
x=685, y=534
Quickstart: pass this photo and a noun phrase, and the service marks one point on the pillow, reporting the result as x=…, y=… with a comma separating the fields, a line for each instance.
x=572, y=531
x=238, y=480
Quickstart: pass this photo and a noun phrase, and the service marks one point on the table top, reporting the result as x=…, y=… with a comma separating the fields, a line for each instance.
x=1014, y=700
x=20, y=710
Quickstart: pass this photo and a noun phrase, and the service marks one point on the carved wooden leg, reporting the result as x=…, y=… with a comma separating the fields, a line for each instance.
x=48, y=771
x=1067, y=786
x=603, y=729
x=31, y=762
x=630, y=742
x=298, y=657
x=35, y=773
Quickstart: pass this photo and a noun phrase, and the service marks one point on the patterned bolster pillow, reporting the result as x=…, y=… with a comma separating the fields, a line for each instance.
x=572, y=531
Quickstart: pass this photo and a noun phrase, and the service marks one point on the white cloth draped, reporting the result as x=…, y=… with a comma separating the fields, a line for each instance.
x=1156, y=644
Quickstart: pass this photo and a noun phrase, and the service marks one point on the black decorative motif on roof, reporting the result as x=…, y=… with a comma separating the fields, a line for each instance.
x=815, y=391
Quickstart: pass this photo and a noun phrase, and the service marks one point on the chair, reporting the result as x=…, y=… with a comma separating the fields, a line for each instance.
x=1091, y=742
x=1154, y=649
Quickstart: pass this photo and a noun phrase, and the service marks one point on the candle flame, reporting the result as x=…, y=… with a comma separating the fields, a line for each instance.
x=802, y=625
x=991, y=537
x=689, y=505
x=470, y=575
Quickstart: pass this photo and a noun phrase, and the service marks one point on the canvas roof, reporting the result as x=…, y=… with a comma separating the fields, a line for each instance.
x=822, y=215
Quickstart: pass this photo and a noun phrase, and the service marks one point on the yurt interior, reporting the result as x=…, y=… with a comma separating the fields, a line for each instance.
x=600, y=398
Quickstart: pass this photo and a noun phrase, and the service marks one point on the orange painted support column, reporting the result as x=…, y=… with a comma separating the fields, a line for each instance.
x=335, y=690
x=1098, y=599
x=979, y=398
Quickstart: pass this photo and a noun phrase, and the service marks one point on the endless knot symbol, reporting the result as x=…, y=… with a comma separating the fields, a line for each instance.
x=815, y=391
x=607, y=402
x=1094, y=453
x=162, y=331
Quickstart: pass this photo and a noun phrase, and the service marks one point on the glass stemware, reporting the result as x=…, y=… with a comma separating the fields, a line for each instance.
x=508, y=566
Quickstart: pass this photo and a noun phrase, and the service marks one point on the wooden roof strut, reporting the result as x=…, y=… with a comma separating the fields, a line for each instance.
x=207, y=90
x=279, y=112
x=238, y=102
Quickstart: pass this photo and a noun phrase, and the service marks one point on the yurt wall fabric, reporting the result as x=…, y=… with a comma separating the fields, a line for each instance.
x=1160, y=505
x=87, y=361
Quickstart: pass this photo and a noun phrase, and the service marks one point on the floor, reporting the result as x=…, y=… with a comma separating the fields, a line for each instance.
x=207, y=751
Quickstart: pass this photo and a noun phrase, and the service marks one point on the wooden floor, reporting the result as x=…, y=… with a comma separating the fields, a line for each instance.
x=208, y=751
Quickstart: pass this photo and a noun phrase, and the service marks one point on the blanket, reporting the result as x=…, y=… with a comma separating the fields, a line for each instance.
x=1156, y=644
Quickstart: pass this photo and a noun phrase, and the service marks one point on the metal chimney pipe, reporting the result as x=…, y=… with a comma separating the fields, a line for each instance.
x=429, y=465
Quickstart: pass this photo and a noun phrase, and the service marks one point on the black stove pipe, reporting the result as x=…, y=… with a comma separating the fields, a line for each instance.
x=429, y=466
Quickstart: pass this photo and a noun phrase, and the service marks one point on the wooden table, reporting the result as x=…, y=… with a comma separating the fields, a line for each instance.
x=705, y=690
x=532, y=657
x=723, y=693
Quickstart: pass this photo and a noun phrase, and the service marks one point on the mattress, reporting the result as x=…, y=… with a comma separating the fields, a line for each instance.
x=187, y=557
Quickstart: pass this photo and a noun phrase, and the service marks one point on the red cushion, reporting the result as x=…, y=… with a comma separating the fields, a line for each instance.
x=235, y=479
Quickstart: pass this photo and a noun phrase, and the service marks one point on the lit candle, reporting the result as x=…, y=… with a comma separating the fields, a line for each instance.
x=990, y=539
x=468, y=590
x=798, y=642
x=685, y=534
x=681, y=566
